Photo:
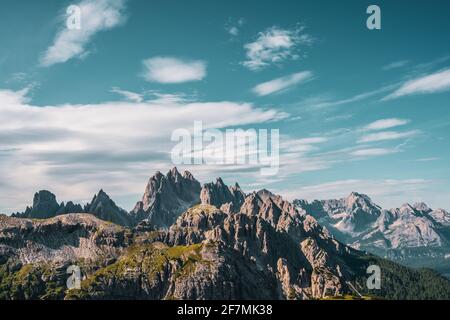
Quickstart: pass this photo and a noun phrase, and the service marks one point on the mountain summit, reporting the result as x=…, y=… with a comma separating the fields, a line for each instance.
x=104, y=208
x=45, y=206
x=166, y=197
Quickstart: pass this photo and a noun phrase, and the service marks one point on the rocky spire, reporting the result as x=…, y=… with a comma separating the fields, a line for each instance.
x=218, y=194
x=45, y=206
x=104, y=208
x=166, y=197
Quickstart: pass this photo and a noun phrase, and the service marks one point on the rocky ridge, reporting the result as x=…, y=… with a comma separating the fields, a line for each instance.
x=166, y=197
x=413, y=234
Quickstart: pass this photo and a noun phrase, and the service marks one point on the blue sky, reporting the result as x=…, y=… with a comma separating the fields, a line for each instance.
x=357, y=109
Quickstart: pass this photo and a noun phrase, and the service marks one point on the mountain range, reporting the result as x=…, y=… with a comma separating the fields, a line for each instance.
x=188, y=241
x=414, y=235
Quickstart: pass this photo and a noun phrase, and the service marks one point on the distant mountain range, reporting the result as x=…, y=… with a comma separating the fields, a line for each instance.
x=188, y=241
x=415, y=235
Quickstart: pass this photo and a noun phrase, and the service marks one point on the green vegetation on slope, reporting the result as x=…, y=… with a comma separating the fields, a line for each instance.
x=145, y=262
x=399, y=282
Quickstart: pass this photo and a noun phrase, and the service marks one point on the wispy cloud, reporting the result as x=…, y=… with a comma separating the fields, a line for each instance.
x=302, y=144
x=427, y=159
x=129, y=95
x=436, y=82
x=386, y=124
x=395, y=65
x=321, y=102
x=96, y=16
x=19, y=76
x=283, y=83
x=275, y=45
x=173, y=70
x=387, y=135
x=373, y=152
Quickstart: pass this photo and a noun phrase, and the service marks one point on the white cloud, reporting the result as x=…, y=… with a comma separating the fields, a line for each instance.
x=275, y=45
x=129, y=95
x=386, y=124
x=173, y=70
x=96, y=16
x=373, y=152
x=395, y=65
x=74, y=150
x=282, y=83
x=436, y=82
x=387, y=135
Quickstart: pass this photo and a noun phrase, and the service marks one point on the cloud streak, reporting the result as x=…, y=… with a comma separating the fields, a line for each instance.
x=433, y=83
x=373, y=152
x=395, y=65
x=282, y=83
x=387, y=135
x=386, y=124
x=129, y=95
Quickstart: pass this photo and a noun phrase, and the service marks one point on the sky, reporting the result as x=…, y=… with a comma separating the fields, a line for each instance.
x=95, y=107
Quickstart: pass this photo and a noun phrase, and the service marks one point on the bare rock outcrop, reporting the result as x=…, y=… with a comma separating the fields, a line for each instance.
x=166, y=197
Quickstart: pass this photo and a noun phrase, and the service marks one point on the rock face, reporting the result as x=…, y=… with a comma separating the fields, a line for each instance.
x=292, y=251
x=441, y=216
x=104, y=208
x=166, y=197
x=412, y=234
x=347, y=216
x=69, y=207
x=46, y=206
x=218, y=194
x=61, y=239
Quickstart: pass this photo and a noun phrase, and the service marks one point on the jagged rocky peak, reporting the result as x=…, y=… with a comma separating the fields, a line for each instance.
x=362, y=201
x=441, y=216
x=252, y=204
x=45, y=206
x=166, y=197
x=238, y=193
x=69, y=207
x=184, y=187
x=268, y=207
x=405, y=210
x=422, y=207
x=104, y=208
x=219, y=194
x=264, y=194
x=349, y=215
